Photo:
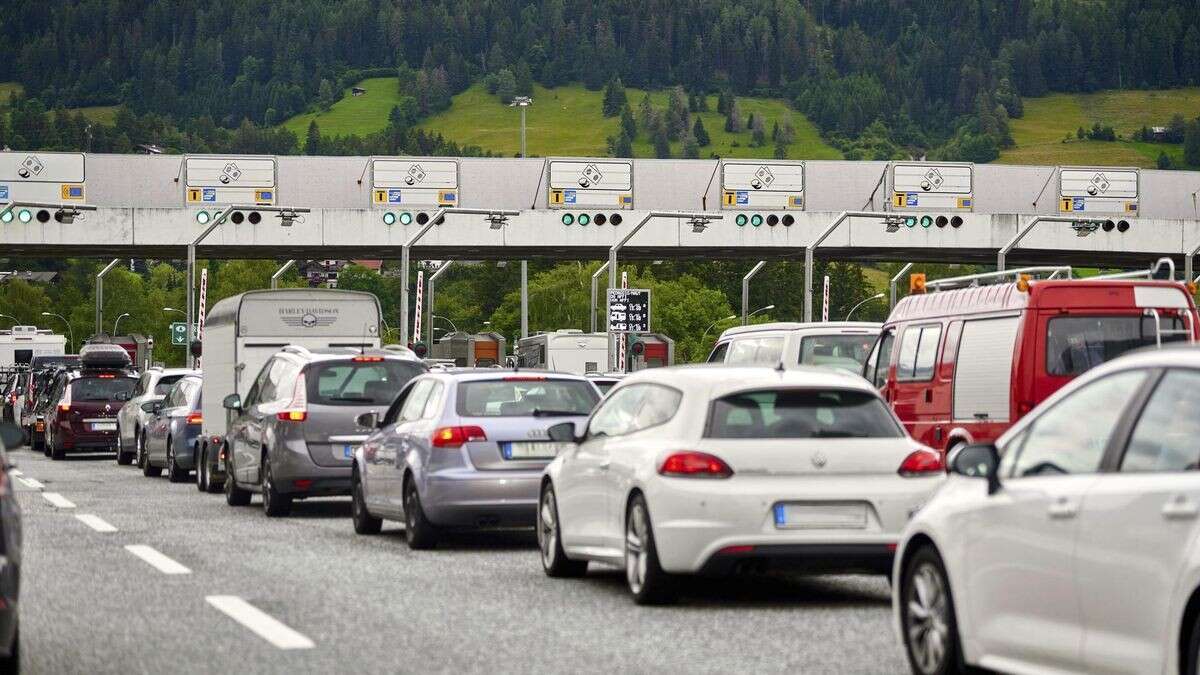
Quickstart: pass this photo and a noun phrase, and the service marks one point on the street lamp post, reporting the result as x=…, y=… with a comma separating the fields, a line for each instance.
x=172, y=309
x=432, y=284
x=760, y=310
x=70, y=332
x=438, y=316
x=522, y=102
x=703, y=335
x=746, y=289
x=100, y=294
x=118, y=321
x=877, y=296
x=10, y=318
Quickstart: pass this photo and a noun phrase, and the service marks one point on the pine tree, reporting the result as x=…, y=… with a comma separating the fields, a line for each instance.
x=1191, y=143
x=677, y=114
x=775, y=131
x=750, y=122
x=722, y=103
x=645, y=112
x=620, y=145
x=733, y=119
x=700, y=133
x=758, y=130
x=614, y=97
x=312, y=139
x=662, y=145
x=780, y=150
x=628, y=124
x=690, y=148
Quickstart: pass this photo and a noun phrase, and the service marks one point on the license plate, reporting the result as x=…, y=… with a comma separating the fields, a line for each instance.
x=531, y=450
x=104, y=426
x=348, y=451
x=821, y=516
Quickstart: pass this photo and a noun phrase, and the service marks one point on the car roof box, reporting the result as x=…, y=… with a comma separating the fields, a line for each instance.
x=104, y=356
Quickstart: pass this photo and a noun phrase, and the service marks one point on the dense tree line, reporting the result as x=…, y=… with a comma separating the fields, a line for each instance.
x=937, y=72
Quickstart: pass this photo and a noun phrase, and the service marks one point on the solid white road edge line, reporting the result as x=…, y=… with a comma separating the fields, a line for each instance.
x=264, y=625
x=157, y=560
x=58, y=500
x=31, y=483
x=95, y=522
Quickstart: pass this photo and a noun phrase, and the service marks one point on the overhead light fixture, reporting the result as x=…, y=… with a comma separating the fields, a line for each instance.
x=893, y=223
x=699, y=224
x=287, y=218
x=496, y=220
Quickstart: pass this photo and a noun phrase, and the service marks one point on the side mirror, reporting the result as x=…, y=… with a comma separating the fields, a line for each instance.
x=563, y=432
x=232, y=402
x=150, y=406
x=368, y=420
x=11, y=436
x=978, y=461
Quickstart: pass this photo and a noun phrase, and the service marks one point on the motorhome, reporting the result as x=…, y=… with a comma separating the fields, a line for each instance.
x=835, y=344
x=573, y=351
x=964, y=360
x=242, y=332
x=19, y=344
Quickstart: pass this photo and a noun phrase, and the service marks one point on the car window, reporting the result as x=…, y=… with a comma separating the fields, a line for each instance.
x=801, y=413
x=1072, y=435
x=762, y=351
x=393, y=411
x=1076, y=344
x=522, y=396
x=658, y=406
x=918, y=353
x=847, y=352
x=256, y=393
x=718, y=354
x=1167, y=436
x=358, y=382
x=616, y=413
x=165, y=383
x=880, y=360
x=283, y=381
x=102, y=388
x=433, y=405
x=414, y=404
x=173, y=398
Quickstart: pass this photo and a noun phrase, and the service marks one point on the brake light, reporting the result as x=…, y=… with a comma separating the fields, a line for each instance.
x=297, y=409
x=736, y=550
x=454, y=437
x=195, y=418
x=692, y=464
x=39, y=426
x=64, y=407
x=367, y=359
x=106, y=377
x=922, y=462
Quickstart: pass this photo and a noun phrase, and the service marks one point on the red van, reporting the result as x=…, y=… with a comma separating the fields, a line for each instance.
x=962, y=365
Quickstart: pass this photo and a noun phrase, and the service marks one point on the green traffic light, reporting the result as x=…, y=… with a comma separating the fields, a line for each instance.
x=756, y=220
x=740, y=220
x=926, y=221
x=7, y=217
x=389, y=218
x=584, y=219
x=567, y=219
x=910, y=221
x=25, y=216
x=405, y=218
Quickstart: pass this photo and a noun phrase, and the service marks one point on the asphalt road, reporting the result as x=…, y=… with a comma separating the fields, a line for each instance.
x=323, y=599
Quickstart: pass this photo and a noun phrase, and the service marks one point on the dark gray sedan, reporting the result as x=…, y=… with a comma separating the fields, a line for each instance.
x=169, y=438
x=463, y=449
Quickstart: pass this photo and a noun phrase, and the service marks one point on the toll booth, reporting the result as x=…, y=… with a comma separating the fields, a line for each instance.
x=467, y=350
x=650, y=350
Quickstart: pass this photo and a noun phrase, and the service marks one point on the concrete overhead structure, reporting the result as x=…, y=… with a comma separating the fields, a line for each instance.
x=144, y=209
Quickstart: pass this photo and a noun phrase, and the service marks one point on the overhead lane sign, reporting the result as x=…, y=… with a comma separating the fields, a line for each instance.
x=42, y=176
x=224, y=181
x=603, y=183
x=416, y=183
x=945, y=186
x=1098, y=190
x=762, y=185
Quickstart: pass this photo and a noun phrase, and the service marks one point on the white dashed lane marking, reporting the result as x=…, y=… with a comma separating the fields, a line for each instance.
x=58, y=500
x=31, y=483
x=157, y=560
x=96, y=522
x=262, y=624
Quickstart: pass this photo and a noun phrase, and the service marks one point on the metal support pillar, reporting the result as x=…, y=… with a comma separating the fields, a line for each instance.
x=746, y=290
x=100, y=294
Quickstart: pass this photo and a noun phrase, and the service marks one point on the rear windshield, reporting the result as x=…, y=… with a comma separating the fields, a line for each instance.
x=848, y=352
x=525, y=397
x=801, y=413
x=1078, y=343
x=102, y=388
x=164, y=384
x=604, y=385
x=359, y=382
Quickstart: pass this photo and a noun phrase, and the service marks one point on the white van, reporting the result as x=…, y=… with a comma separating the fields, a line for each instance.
x=564, y=351
x=19, y=344
x=242, y=332
x=836, y=344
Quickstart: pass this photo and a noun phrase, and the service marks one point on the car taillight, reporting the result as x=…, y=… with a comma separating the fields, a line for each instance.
x=454, y=437
x=297, y=409
x=64, y=407
x=922, y=462
x=367, y=359
x=692, y=464
x=195, y=418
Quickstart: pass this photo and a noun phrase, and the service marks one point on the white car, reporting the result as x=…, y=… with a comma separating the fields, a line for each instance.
x=711, y=469
x=153, y=385
x=1070, y=546
x=833, y=344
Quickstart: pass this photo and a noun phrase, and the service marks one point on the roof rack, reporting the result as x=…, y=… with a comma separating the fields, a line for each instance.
x=1144, y=274
x=296, y=349
x=1061, y=272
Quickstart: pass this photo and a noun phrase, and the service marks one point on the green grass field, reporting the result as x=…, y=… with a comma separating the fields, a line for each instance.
x=1040, y=134
x=103, y=114
x=562, y=121
x=7, y=89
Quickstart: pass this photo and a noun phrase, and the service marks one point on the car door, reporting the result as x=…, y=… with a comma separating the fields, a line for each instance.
x=395, y=451
x=1136, y=527
x=159, y=426
x=248, y=426
x=582, y=500
x=380, y=446
x=127, y=416
x=1019, y=546
x=880, y=362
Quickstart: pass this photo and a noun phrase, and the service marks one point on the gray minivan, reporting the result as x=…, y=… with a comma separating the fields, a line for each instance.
x=295, y=433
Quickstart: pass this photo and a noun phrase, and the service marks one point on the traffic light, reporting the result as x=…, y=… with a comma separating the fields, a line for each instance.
x=916, y=283
x=419, y=349
x=587, y=219
x=757, y=219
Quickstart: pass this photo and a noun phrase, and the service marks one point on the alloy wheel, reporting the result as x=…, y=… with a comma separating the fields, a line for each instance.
x=926, y=619
x=636, y=544
x=548, y=528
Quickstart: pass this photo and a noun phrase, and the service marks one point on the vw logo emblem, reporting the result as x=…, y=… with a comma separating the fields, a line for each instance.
x=308, y=321
x=819, y=459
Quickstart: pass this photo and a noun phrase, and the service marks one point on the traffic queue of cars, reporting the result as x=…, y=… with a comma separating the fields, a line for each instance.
x=1033, y=498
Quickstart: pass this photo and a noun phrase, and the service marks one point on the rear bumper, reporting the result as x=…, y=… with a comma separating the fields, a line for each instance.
x=185, y=447
x=70, y=440
x=470, y=498
x=297, y=475
x=816, y=558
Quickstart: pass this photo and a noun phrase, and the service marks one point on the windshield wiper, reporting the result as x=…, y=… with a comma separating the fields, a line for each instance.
x=540, y=412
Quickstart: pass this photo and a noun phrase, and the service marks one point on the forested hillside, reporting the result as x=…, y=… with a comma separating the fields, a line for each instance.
x=944, y=75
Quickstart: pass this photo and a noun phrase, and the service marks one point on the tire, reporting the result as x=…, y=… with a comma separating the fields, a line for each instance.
x=234, y=495
x=148, y=468
x=11, y=664
x=364, y=522
x=123, y=458
x=140, y=450
x=647, y=581
x=175, y=473
x=201, y=454
x=275, y=505
x=1191, y=664
x=418, y=531
x=56, y=453
x=927, y=619
x=549, y=534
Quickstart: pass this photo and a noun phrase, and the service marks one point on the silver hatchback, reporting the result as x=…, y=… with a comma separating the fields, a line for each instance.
x=294, y=435
x=463, y=449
